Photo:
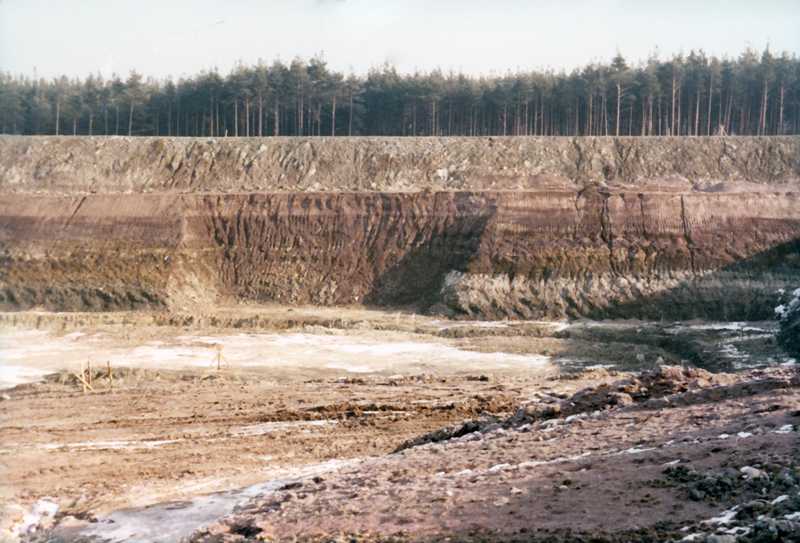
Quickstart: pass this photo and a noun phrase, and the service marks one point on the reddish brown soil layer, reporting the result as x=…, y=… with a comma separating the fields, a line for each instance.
x=488, y=254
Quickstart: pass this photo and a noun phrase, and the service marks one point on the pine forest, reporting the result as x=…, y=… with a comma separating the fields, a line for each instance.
x=694, y=95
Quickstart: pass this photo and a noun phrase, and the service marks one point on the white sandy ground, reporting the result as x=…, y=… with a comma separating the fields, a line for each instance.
x=28, y=355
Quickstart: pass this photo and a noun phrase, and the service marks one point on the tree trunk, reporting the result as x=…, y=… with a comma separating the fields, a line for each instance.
x=333, y=117
x=780, y=110
x=300, y=116
x=660, y=128
x=58, y=113
x=247, y=118
x=527, y=133
x=210, y=117
x=728, y=113
x=619, y=102
x=672, y=123
x=260, y=116
x=130, y=120
x=710, y=94
x=350, y=121
x=450, y=118
x=277, y=117
x=763, y=120
x=697, y=115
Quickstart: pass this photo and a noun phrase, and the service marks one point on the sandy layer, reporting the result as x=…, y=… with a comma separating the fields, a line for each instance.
x=395, y=427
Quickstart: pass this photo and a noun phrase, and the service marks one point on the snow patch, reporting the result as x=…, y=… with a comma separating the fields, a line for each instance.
x=636, y=450
x=11, y=376
x=783, y=310
x=170, y=521
x=42, y=509
x=725, y=518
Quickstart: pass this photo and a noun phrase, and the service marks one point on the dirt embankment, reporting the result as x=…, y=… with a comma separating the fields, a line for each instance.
x=210, y=221
x=74, y=165
x=471, y=254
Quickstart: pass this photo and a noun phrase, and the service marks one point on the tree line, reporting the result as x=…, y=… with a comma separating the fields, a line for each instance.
x=694, y=95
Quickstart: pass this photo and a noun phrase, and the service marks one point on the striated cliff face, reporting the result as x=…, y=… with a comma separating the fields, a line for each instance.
x=479, y=254
x=116, y=223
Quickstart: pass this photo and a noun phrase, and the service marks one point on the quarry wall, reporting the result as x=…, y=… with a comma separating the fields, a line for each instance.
x=73, y=165
x=486, y=228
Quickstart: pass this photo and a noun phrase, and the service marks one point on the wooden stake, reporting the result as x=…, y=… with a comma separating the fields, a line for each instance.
x=81, y=377
x=89, y=371
x=110, y=377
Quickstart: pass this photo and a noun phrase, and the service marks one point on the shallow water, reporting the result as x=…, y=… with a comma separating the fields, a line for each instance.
x=172, y=520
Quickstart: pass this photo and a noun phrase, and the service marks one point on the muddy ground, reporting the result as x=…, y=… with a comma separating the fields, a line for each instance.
x=392, y=426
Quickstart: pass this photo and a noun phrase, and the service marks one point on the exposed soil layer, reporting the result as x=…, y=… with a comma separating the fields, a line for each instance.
x=486, y=254
x=73, y=165
x=465, y=227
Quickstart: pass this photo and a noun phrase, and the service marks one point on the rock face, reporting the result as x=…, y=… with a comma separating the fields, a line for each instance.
x=119, y=223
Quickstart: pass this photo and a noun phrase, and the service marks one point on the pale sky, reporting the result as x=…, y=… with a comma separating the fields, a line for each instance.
x=479, y=37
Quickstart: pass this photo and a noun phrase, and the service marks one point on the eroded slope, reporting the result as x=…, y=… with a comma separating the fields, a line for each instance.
x=480, y=254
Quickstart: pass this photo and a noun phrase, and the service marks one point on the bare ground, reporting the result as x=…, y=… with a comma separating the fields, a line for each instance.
x=507, y=454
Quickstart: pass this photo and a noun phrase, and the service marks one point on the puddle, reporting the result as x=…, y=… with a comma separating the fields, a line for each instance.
x=16, y=375
x=287, y=355
x=171, y=521
x=28, y=355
